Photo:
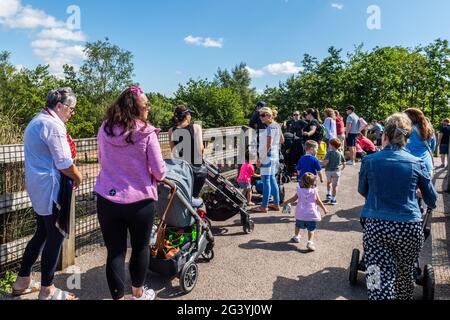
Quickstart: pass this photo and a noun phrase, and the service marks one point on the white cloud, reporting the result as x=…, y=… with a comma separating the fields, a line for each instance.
x=254, y=73
x=178, y=72
x=46, y=44
x=205, y=42
x=212, y=43
x=29, y=18
x=287, y=67
x=338, y=6
x=59, y=55
x=9, y=8
x=54, y=44
x=62, y=34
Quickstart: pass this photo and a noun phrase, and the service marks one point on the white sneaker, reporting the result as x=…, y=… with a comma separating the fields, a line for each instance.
x=148, y=294
x=310, y=246
x=350, y=163
x=296, y=239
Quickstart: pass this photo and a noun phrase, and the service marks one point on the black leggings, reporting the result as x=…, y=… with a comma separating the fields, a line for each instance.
x=115, y=221
x=48, y=241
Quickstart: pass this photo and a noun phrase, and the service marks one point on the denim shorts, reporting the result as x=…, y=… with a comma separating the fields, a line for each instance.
x=309, y=225
x=244, y=185
x=443, y=149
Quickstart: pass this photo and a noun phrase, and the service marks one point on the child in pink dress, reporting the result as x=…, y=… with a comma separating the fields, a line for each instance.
x=245, y=179
x=306, y=213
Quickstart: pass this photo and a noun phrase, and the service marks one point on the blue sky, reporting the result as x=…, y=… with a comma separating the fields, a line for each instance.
x=174, y=40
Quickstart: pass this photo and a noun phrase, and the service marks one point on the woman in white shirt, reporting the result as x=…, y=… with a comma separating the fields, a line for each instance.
x=49, y=153
x=330, y=125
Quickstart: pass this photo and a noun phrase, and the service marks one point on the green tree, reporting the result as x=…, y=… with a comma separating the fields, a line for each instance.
x=238, y=80
x=215, y=106
x=107, y=71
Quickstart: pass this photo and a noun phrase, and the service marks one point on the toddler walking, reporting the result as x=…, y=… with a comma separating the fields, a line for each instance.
x=306, y=212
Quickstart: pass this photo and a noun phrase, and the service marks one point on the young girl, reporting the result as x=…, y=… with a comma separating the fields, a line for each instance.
x=245, y=179
x=306, y=212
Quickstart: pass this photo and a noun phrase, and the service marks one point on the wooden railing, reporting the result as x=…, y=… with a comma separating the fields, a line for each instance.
x=14, y=199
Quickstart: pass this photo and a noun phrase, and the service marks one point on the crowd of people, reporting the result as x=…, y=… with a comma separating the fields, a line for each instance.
x=132, y=165
x=399, y=157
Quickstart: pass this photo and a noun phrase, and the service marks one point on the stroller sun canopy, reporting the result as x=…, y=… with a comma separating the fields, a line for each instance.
x=180, y=173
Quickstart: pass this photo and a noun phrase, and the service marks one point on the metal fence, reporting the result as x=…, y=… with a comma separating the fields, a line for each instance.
x=17, y=218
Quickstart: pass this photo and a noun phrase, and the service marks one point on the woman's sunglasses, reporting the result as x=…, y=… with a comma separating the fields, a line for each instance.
x=263, y=115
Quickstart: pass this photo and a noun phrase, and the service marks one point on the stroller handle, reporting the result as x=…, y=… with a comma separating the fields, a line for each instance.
x=173, y=189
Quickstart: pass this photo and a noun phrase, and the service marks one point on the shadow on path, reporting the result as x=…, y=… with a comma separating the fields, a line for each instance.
x=312, y=287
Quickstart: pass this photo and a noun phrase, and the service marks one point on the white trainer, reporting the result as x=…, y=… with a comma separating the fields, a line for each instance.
x=310, y=246
x=296, y=239
x=148, y=294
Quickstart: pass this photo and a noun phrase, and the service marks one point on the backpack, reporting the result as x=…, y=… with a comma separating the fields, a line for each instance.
x=322, y=132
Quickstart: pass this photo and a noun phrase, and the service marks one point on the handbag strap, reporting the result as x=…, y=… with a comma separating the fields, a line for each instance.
x=160, y=231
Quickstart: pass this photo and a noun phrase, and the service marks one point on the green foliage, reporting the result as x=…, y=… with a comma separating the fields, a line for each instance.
x=6, y=284
x=239, y=81
x=378, y=82
x=161, y=111
x=215, y=106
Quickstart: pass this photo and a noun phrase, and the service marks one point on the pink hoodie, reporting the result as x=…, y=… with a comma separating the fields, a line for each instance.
x=129, y=172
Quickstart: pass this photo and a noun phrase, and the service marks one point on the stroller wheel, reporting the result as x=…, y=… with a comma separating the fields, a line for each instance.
x=249, y=226
x=354, y=266
x=189, y=276
x=208, y=255
x=428, y=282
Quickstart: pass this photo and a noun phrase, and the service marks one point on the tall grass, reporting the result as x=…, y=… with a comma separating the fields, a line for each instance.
x=10, y=132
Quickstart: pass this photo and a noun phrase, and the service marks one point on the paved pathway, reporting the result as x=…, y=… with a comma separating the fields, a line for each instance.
x=264, y=264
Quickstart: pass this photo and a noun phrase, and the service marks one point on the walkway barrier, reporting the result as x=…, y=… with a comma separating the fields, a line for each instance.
x=17, y=222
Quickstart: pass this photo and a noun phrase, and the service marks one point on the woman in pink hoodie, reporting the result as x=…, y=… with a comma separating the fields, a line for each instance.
x=131, y=166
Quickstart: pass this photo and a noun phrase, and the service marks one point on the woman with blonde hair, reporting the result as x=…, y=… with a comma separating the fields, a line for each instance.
x=392, y=220
x=268, y=161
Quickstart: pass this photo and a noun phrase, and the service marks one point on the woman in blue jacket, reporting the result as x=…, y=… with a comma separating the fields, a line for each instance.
x=393, y=233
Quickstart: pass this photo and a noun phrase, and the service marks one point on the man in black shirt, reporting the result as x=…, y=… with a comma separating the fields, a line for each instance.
x=257, y=124
x=444, y=141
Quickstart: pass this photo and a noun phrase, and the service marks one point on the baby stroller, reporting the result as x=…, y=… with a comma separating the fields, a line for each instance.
x=177, y=257
x=423, y=278
x=292, y=151
x=226, y=200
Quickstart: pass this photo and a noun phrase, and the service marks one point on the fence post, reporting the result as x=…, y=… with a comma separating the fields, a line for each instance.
x=67, y=257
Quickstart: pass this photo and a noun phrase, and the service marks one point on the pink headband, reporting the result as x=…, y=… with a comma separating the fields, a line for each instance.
x=137, y=90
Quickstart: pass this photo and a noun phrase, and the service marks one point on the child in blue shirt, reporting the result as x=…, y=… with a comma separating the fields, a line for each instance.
x=309, y=162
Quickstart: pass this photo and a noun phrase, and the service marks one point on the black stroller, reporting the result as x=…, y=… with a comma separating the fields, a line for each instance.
x=292, y=151
x=423, y=278
x=176, y=212
x=226, y=200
